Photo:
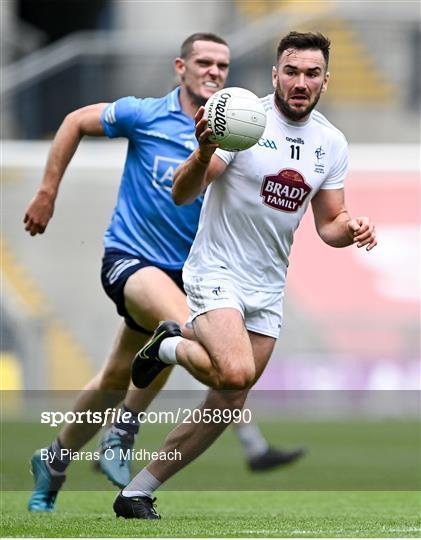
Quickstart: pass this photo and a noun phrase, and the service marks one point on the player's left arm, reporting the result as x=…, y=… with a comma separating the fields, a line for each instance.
x=334, y=224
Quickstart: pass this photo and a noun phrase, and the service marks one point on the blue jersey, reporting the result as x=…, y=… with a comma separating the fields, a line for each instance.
x=145, y=221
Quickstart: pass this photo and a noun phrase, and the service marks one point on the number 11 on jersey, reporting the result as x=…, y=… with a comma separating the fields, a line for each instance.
x=295, y=151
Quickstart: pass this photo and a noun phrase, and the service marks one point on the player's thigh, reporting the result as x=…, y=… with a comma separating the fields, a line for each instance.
x=262, y=350
x=151, y=296
x=224, y=336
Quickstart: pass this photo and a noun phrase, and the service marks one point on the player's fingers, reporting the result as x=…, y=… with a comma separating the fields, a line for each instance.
x=28, y=223
x=363, y=243
x=371, y=245
x=34, y=228
x=361, y=237
x=367, y=240
x=203, y=137
x=364, y=232
x=359, y=225
x=201, y=126
x=199, y=115
x=37, y=230
x=202, y=122
x=353, y=226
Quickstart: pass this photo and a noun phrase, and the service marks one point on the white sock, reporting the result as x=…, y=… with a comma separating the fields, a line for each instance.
x=254, y=443
x=142, y=485
x=118, y=431
x=167, y=349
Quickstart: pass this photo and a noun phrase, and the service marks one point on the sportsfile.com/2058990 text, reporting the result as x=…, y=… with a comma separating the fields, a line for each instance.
x=180, y=415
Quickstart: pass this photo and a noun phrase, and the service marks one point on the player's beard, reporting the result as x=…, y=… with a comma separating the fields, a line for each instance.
x=197, y=99
x=291, y=113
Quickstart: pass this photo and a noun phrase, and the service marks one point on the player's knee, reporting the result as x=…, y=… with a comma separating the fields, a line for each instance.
x=237, y=378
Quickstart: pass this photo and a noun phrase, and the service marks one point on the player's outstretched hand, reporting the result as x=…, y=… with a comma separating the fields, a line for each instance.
x=206, y=147
x=39, y=213
x=363, y=232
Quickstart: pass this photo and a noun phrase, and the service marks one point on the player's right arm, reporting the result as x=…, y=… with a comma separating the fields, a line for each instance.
x=193, y=176
x=84, y=121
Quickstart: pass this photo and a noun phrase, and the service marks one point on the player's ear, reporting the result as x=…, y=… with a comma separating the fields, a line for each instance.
x=325, y=82
x=274, y=76
x=180, y=66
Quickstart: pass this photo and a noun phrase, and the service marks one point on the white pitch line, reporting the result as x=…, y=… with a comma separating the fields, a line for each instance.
x=323, y=531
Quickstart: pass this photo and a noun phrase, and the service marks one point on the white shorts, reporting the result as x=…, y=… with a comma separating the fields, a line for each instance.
x=262, y=311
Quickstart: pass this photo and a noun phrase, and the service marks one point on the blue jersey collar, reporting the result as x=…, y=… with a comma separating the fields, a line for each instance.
x=174, y=100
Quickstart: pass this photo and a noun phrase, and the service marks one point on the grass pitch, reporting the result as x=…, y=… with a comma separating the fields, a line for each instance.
x=359, y=479
x=224, y=514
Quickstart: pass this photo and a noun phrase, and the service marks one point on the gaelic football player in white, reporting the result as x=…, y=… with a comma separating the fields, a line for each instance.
x=236, y=271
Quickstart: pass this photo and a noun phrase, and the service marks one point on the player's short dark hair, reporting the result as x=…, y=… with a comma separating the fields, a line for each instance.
x=187, y=45
x=304, y=40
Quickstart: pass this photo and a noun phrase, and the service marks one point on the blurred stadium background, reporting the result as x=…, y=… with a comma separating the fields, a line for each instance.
x=351, y=318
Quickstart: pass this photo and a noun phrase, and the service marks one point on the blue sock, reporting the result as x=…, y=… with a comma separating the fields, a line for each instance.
x=59, y=462
x=131, y=421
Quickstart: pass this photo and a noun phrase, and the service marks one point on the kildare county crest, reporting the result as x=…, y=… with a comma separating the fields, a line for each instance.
x=285, y=190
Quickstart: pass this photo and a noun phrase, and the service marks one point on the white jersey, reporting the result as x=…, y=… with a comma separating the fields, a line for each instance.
x=250, y=212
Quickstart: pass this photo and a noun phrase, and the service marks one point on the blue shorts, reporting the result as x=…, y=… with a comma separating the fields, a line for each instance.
x=117, y=267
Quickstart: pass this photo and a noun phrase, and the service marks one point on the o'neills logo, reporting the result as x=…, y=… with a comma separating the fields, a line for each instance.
x=219, y=119
x=285, y=191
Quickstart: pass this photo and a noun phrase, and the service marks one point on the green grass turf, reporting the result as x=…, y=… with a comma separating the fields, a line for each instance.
x=359, y=479
x=224, y=514
x=346, y=455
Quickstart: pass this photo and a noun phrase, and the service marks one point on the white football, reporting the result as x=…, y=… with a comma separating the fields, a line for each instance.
x=237, y=118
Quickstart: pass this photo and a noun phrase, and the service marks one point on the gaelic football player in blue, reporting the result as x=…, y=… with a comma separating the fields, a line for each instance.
x=146, y=245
